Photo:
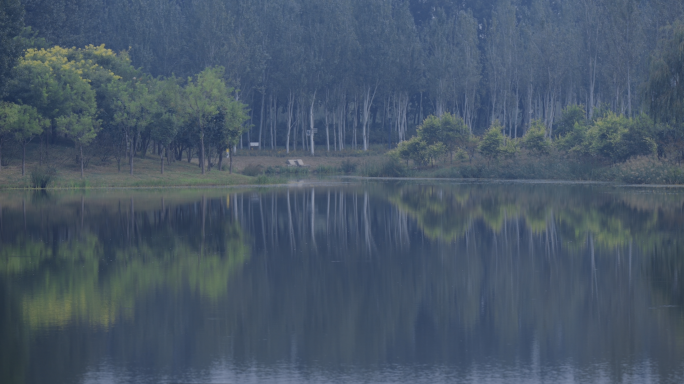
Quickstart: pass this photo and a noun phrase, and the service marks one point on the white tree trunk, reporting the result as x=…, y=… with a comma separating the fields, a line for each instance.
x=311, y=121
x=367, y=103
x=290, y=110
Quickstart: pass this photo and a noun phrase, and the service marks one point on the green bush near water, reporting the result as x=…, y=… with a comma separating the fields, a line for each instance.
x=647, y=170
x=41, y=177
x=348, y=167
x=393, y=167
x=253, y=170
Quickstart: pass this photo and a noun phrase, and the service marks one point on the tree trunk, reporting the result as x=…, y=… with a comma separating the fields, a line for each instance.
x=261, y=118
x=290, y=110
x=230, y=166
x=367, y=103
x=130, y=157
x=327, y=127
x=0, y=155
x=311, y=121
x=161, y=158
x=23, y=159
x=80, y=146
x=201, y=145
x=629, y=93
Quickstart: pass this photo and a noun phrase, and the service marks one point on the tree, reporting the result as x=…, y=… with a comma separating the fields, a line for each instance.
x=617, y=138
x=490, y=146
x=205, y=95
x=8, y=115
x=535, y=140
x=571, y=114
x=28, y=123
x=413, y=149
x=454, y=133
x=166, y=114
x=133, y=110
x=81, y=128
x=11, y=24
x=639, y=140
x=665, y=86
x=47, y=80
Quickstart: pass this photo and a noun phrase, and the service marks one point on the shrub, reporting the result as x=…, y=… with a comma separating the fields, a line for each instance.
x=266, y=179
x=348, y=167
x=325, y=170
x=42, y=176
x=535, y=140
x=648, y=170
x=393, y=167
x=253, y=170
x=571, y=115
x=510, y=149
x=490, y=146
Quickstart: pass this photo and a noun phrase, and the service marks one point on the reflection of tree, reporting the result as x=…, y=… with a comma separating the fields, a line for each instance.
x=614, y=219
x=441, y=275
x=96, y=273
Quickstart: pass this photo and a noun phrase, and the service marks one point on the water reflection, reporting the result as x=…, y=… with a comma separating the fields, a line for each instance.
x=381, y=282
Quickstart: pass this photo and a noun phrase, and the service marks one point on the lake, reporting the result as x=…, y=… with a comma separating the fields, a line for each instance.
x=362, y=282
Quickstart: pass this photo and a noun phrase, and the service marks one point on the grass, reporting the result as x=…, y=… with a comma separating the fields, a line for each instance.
x=640, y=170
x=146, y=173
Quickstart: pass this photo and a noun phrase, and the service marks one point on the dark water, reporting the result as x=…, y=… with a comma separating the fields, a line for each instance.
x=378, y=282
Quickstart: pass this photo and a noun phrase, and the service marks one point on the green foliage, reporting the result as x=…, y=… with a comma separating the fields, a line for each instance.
x=454, y=132
x=253, y=170
x=574, y=139
x=206, y=97
x=490, y=146
x=325, y=170
x=510, y=149
x=571, y=115
x=618, y=138
x=81, y=128
x=535, y=140
x=647, y=170
x=27, y=124
x=11, y=24
x=434, y=138
x=391, y=167
x=665, y=87
x=414, y=149
x=639, y=140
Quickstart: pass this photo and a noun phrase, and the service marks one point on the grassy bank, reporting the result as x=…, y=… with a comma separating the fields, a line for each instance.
x=98, y=174
x=249, y=168
x=269, y=167
x=639, y=170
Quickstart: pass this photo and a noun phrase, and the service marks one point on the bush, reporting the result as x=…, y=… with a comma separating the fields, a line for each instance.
x=325, y=170
x=42, y=176
x=278, y=170
x=348, y=167
x=535, y=140
x=265, y=179
x=253, y=170
x=648, y=170
x=393, y=167
x=572, y=114
x=490, y=146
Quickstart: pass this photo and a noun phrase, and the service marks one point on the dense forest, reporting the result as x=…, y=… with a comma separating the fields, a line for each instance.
x=350, y=73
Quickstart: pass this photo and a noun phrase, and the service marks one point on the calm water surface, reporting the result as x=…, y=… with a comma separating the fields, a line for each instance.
x=363, y=283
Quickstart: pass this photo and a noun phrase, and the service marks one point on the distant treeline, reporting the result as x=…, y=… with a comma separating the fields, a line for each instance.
x=370, y=71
